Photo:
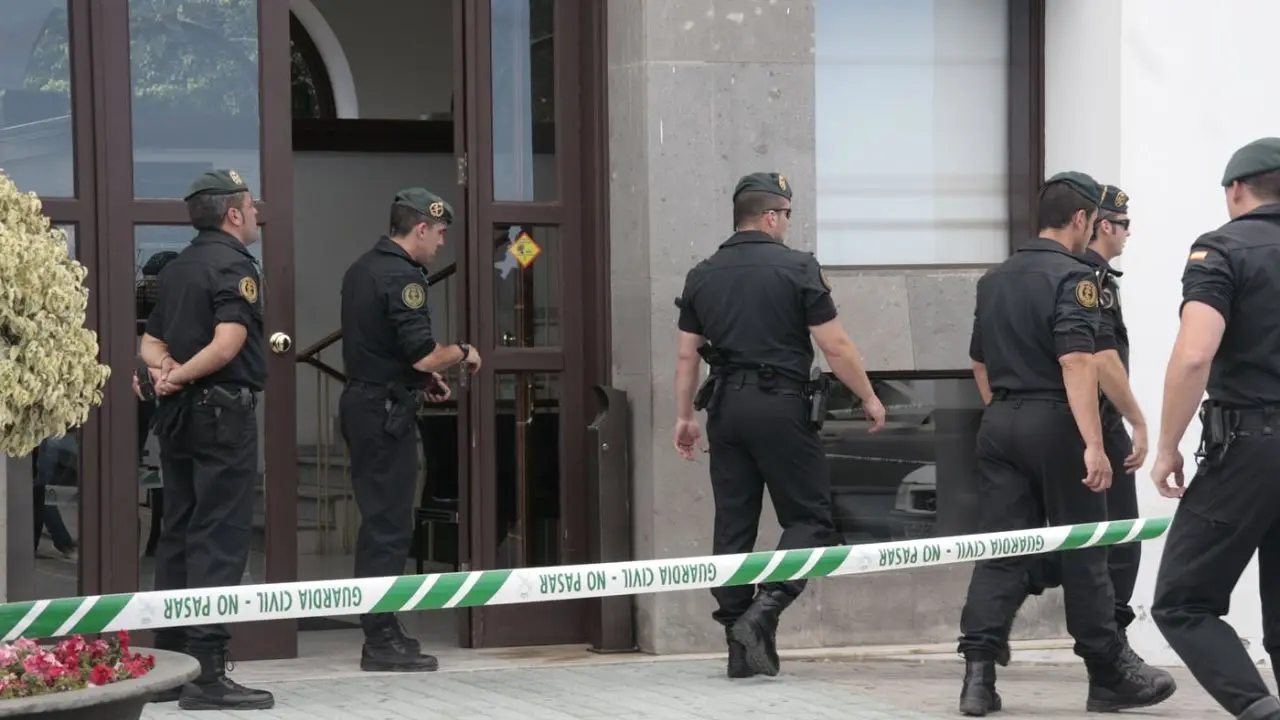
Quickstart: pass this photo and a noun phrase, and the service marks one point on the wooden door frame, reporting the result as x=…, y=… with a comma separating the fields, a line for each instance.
x=542, y=623
x=110, y=488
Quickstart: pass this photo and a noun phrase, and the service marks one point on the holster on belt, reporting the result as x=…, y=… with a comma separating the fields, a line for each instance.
x=232, y=409
x=171, y=416
x=709, y=391
x=819, y=394
x=1218, y=427
x=402, y=409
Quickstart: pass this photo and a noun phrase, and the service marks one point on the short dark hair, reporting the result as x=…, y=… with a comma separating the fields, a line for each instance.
x=1097, y=222
x=1058, y=204
x=404, y=219
x=1264, y=186
x=208, y=210
x=750, y=205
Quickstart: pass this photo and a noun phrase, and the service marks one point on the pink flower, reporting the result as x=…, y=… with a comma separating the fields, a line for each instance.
x=101, y=675
x=26, y=644
x=8, y=656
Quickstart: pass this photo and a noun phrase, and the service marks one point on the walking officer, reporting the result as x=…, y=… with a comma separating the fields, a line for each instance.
x=393, y=362
x=757, y=302
x=1117, y=404
x=1040, y=450
x=1228, y=343
x=207, y=362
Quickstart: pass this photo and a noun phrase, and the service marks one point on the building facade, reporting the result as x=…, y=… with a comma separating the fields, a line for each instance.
x=599, y=141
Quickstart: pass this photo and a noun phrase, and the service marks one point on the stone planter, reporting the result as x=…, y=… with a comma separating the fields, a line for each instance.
x=122, y=700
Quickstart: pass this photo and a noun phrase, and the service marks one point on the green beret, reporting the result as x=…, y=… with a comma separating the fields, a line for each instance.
x=1259, y=156
x=427, y=203
x=1114, y=200
x=217, y=182
x=1083, y=184
x=772, y=183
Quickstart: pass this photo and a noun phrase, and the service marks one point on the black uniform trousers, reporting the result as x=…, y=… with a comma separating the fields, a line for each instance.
x=1031, y=463
x=762, y=438
x=210, y=466
x=384, y=475
x=1229, y=511
x=1122, y=504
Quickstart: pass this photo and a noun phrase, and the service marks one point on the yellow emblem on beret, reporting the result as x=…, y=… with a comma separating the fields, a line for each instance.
x=436, y=209
x=782, y=181
x=1121, y=198
x=1087, y=294
x=249, y=289
x=235, y=177
x=414, y=296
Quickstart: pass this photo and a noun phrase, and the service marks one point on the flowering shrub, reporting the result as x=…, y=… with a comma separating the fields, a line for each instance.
x=27, y=669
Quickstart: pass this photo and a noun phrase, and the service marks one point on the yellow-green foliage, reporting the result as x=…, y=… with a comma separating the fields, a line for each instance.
x=49, y=371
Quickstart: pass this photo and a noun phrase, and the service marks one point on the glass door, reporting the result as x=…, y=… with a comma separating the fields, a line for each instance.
x=528, y=428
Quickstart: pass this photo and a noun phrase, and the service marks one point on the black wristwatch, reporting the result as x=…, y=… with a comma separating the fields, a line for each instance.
x=466, y=351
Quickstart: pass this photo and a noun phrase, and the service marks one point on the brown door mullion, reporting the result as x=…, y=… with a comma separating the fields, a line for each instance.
x=506, y=359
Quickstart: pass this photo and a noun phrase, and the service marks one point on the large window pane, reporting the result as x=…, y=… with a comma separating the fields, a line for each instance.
x=35, y=97
x=887, y=486
x=527, y=425
x=56, y=469
x=195, y=92
x=524, y=106
x=911, y=131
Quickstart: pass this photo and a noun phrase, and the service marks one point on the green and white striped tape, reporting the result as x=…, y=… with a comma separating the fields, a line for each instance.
x=326, y=598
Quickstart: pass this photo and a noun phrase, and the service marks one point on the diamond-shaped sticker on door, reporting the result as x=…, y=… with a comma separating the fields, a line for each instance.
x=525, y=250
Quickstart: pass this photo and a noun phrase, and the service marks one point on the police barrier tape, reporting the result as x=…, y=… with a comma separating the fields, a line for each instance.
x=286, y=601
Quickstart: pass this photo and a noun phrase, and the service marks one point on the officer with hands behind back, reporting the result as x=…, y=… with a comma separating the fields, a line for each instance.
x=206, y=360
x=1040, y=450
x=393, y=362
x=1228, y=343
x=757, y=302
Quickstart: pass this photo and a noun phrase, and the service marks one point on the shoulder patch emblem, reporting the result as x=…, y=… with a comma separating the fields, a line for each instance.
x=822, y=274
x=1087, y=294
x=249, y=289
x=414, y=296
x=1198, y=255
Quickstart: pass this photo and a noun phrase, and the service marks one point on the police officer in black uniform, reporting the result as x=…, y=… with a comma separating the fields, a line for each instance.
x=757, y=301
x=1111, y=355
x=1229, y=344
x=207, y=358
x=1040, y=449
x=393, y=362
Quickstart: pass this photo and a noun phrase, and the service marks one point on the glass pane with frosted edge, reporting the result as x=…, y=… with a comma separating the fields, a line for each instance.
x=527, y=300
x=918, y=175
x=154, y=247
x=527, y=481
x=36, y=148
x=56, y=466
x=194, y=69
x=885, y=486
x=524, y=100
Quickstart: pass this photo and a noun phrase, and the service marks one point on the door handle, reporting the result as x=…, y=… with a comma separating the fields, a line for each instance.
x=280, y=343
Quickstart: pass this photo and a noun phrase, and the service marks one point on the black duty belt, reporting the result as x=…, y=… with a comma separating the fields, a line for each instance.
x=1037, y=395
x=739, y=377
x=1261, y=420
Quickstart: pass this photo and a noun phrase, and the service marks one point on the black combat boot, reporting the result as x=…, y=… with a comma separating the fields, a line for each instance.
x=172, y=643
x=978, y=695
x=387, y=649
x=1120, y=685
x=737, y=667
x=1129, y=660
x=757, y=629
x=213, y=690
x=1268, y=708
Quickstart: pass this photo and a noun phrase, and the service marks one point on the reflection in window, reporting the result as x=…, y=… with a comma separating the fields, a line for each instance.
x=885, y=486
x=523, y=94
x=195, y=92
x=911, y=123
x=528, y=469
x=35, y=97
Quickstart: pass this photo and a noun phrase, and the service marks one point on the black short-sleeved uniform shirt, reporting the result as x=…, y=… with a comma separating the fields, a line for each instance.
x=1035, y=307
x=755, y=299
x=386, y=324
x=1112, y=332
x=1236, y=271
x=213, y=281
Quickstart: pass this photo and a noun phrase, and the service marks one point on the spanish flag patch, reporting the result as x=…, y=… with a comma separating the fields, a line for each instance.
x=1198, y=255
